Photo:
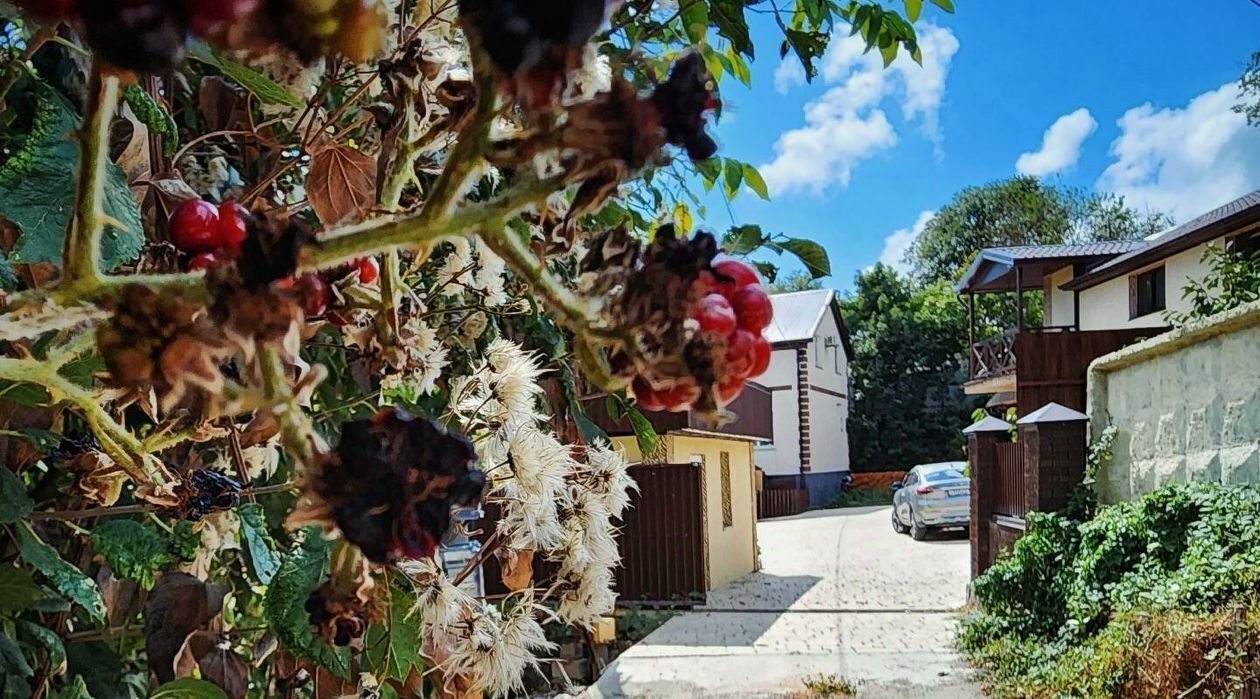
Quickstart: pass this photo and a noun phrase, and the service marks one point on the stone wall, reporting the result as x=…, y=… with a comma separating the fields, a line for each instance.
x=1186, y=405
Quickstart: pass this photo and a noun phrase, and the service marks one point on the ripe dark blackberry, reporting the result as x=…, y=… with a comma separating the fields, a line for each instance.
x=394, y=482
x=209, y=491
x=682, y=101
x=142, y=35
x=518, y=34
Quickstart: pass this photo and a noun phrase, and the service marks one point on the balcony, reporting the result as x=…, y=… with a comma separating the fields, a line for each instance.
x=753, y=411
x=994, y=359
x=1040, y=365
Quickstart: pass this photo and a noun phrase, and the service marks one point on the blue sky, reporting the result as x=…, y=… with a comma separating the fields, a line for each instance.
x=1138, y=93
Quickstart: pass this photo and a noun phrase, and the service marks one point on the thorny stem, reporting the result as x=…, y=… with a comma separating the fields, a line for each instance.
x=81, y=256
x=116, y=510
x=116, y=441
x=296, y=430
x=465, y=157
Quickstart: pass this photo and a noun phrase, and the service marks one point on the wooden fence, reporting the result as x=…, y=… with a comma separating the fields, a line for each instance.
x=782, y=502
x=1008, y=490
x=660, y=538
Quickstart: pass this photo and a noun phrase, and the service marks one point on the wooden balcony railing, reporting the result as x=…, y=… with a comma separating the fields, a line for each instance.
x=993, y=358
x=753, y=410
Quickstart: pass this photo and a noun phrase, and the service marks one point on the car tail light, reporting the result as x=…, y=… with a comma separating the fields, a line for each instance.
x=925, y=489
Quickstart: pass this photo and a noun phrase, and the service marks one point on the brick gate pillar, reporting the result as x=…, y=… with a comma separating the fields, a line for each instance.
x=982, y=440
x=1054, y=446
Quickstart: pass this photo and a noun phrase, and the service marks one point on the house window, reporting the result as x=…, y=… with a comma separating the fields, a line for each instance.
x=1146, y=293
x=728, y=517
x=818, y=354
x=1246, y=245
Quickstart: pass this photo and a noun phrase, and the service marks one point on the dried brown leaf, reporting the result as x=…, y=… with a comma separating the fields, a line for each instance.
x=341, y=185
x=179, y=605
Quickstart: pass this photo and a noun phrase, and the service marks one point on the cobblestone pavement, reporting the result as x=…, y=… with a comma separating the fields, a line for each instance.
x=839, y=594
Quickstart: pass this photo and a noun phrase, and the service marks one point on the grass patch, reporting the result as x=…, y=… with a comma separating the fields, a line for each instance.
x=827, y=687
x=863, y=498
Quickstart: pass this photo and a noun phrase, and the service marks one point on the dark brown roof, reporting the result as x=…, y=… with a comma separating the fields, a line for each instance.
x=1241, y=212
x=993, y=269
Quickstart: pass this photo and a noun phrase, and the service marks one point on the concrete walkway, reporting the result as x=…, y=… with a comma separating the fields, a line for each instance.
x=839, y=594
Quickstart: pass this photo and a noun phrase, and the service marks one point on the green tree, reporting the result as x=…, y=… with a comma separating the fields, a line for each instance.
x=1022, y=211
x=800, y=280
x=908, y=404
x=1249, y=91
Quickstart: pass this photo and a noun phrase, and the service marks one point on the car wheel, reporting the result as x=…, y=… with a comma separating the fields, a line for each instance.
x=918, y=532
x=896, y=522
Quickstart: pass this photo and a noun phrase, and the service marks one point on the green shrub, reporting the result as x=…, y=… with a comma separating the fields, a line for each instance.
x=867, y=497
x=1060, y=608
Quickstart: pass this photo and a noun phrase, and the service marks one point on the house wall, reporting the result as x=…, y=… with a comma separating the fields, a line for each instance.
x=1106, y=306
x=781, y=458
x=1060, y=311
x=1186, y=405
x=732, y=550
x=828, y=400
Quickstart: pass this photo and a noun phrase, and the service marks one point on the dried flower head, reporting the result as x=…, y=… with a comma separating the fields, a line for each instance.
x=393, y=482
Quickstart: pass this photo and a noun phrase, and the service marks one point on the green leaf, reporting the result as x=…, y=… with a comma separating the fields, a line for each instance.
x=405, y=641
x=51, y=642
x=752, y=178
x=37, y=190
x=644, y=432
x=728, y=16
x=101, y=668
x=77, y=689
x=18, y=590
x=188, y=688
x=768, y=270
x=590, y=431
x=739, y=68
x=733, y=173
x=24, y=394
x=742, y=240
x=133, y=550
x=14, y=502
x=300, y=573
x=812, y=254
x=67, y=579
x=695, y=19
x=263, y=557
x=11, y=659
x=914, y=8
x=263, y=87
x=947, y=5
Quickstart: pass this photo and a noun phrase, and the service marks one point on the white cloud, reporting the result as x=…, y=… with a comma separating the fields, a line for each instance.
x=898, y=243
x=848, y=123
x=1060, y=145
x=1185, y=160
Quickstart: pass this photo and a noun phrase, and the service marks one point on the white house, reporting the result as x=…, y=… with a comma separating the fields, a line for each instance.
x=1098, y=297
x=809, y=381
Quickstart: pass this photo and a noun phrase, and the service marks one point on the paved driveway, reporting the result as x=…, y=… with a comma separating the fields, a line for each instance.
x=838, y=594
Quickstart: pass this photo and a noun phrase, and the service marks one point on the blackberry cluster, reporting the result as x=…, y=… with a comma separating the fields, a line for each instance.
x=534, y=43
x=143, y=35
x=209, y=491
x=682, y=101
x=698, y=319
x=394, y=482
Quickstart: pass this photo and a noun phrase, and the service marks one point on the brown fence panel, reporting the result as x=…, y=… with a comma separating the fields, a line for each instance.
x=662, y=537
x=1053, y=363
x=1009, y=489
x=774, y=502
x=661, y=540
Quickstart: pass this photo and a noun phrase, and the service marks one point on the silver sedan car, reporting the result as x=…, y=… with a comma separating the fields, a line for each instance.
x=932, y=496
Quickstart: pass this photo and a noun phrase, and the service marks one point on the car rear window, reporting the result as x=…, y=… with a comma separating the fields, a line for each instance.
x=945, y=474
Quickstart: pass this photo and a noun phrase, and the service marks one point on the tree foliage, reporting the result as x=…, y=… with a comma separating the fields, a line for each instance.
x=908, y=406
x=1022, y=210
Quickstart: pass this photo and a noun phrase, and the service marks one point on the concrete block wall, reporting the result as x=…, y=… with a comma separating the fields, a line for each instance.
x=1186, y=406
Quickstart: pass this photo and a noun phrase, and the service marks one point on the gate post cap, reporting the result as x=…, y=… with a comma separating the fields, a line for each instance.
x=1052, y=412
x=989, y=424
